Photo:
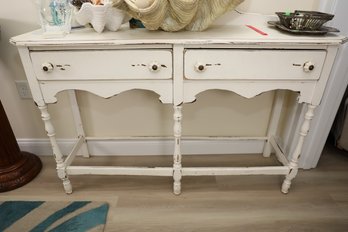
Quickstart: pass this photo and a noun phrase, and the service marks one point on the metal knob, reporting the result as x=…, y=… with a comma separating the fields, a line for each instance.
x=154, y=67
x=308, y=66
x=47, y=67
x=200, y=67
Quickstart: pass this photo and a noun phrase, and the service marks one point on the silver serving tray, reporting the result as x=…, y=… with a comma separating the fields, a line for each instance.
x=323, y=30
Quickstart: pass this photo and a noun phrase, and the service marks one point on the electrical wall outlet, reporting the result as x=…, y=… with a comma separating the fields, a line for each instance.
x=23, y=89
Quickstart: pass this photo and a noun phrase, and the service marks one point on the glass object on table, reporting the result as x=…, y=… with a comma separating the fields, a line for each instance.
x=55, y=17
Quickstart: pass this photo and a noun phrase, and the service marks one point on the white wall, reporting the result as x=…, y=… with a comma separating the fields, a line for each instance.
x=336, y=86
x=271, y=6
x=135, y=112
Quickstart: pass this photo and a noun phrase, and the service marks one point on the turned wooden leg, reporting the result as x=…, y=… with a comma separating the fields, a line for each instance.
x=56, y=151
x=293, y=165
x=177, y=153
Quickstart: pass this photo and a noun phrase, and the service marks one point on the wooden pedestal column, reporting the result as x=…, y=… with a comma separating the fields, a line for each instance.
x=16, y=168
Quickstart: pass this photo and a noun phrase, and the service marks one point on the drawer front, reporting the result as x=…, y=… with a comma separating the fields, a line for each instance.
x=253, y=64
x=102, y=64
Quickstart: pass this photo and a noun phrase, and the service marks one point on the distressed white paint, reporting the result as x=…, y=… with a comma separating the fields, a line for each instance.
x=178, y=70
x=278, y=152
x=107, y=88
x=336, y=86
x=242, y=64
x=285, y=70
x=104, y=170
x=274, y=120
x=78, y=123
x=74, y=151
x=55, y=148
x=293, y=165
x=177, y=150
x=219, y=171
x=21, y=18
x=103, y=65
x=241, y=87
x=144, y=146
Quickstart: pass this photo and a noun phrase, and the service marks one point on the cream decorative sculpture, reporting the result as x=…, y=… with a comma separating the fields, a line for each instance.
x=175, y=15
x=100, y=16
x=142, y=3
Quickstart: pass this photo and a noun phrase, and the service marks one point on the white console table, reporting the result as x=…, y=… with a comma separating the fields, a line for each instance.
x=178, y=66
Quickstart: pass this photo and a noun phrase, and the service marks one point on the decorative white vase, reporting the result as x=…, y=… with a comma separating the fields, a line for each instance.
x=100, y=16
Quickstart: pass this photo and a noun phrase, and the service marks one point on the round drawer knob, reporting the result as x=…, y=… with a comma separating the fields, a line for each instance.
x=47, y=67
x=308, y=66
x=200, y=67
x=154, y=67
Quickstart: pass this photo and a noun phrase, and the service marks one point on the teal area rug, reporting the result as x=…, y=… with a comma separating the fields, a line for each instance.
x=37, y=216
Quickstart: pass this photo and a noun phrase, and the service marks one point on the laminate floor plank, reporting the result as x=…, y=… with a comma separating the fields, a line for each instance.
x=317, y=201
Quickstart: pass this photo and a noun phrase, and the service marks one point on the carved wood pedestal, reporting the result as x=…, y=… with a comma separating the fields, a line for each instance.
x=16, y=168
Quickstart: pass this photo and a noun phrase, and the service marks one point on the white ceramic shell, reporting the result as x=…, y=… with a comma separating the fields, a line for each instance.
x=100, y=16
x=175, y=15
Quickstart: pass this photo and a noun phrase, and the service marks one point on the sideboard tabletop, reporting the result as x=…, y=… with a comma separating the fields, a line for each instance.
x=237, y=33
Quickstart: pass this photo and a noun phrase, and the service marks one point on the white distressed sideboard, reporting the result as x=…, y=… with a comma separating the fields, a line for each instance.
x=178, y=66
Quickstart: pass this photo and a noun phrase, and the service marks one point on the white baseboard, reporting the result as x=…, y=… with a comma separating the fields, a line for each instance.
x=118, y=147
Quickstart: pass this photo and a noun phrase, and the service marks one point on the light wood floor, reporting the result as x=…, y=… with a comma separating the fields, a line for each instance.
x=318, y=199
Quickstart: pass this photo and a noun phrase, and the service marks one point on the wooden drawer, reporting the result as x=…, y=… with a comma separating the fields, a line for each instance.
x=253, y=64
x=102, y=64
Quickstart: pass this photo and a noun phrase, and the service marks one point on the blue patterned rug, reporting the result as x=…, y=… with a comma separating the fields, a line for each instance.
x=37, y=216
